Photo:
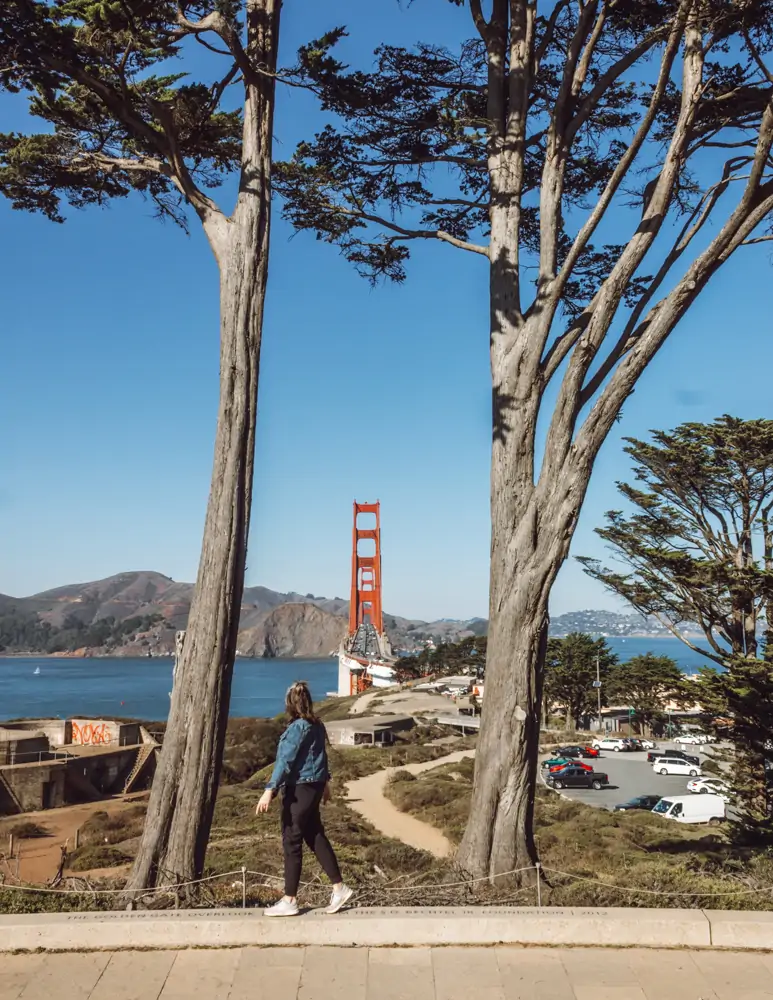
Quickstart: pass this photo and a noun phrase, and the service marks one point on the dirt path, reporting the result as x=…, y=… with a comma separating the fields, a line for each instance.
x=360, y=706
x=40, y=857
x=366, y=796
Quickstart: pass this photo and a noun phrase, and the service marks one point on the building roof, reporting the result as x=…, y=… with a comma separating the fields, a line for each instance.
x=14, y=735
x=370, y=723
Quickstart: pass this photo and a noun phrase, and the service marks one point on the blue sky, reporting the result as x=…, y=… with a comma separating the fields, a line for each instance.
x=109, y=379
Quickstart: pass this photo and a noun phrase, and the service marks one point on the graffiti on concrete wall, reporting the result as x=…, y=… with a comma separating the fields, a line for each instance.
x=91, y=733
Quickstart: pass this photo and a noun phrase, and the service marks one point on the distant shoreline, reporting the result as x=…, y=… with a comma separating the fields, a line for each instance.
x=135, y=656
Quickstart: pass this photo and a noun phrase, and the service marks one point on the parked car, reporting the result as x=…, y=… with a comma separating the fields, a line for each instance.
x=654, y=755
x=686, y=738
x=577, y=776
x=675, y=765
x=575, y=750
x=554, y=763
x=647, y=802
x=692, y=808
x=634, y=744
x=647, y=744
x=709, y=786
x=610, y=743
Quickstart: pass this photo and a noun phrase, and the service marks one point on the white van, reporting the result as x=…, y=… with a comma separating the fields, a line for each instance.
x=692, y=808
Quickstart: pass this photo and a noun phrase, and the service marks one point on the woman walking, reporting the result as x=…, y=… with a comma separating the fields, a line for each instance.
x=301, y=769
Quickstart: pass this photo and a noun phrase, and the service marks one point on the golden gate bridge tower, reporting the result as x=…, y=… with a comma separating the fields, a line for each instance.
x=365, y=657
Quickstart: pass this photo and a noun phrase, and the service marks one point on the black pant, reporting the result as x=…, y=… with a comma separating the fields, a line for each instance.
x=301, y=822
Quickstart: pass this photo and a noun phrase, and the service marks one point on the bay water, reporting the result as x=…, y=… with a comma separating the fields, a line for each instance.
x=107, y=687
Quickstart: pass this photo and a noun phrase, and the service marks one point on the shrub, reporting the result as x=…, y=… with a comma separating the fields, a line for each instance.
x=29, y=830
x=87, y=858
x=113, y=828
x=250, y=745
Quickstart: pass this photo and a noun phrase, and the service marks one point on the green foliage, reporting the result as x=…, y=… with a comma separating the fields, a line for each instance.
x=629, y=851
x=28, y=830
x=112, y=828
x=647, y=683
x=18, y=901
x=408, y=152
x=466, y=656
x=117, y=117
x=699, y=548
x=250, y=746
x=21, y=632
x=570, y=670
x=100, y=856
x=698, y=543
x=738, y=704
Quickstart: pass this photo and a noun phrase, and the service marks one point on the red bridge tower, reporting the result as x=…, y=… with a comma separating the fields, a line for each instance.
x=365, y=604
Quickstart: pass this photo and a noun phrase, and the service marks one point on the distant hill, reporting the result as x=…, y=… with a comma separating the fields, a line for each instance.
x=610, y=623
x=271, y=623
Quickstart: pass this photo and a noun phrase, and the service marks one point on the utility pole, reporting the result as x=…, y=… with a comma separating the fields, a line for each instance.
x=597, y=686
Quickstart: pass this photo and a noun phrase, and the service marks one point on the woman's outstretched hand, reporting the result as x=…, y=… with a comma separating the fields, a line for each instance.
x=265, y=802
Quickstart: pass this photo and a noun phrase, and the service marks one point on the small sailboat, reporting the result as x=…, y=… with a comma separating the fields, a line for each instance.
x=36, y=670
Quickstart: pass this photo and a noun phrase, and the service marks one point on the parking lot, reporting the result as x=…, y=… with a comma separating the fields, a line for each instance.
x=630, y=775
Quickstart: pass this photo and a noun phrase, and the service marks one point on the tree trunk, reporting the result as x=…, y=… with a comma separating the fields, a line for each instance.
x=531, y=527
x=528, y=544
x=183, y=796
x=499, y=836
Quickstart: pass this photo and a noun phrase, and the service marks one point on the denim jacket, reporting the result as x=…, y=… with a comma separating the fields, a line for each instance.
x=301, y=757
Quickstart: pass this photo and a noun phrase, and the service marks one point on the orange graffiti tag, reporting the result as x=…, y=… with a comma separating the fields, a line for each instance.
x=90, y=735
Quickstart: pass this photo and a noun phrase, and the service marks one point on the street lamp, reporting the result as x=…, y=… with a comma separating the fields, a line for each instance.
x=597, y=685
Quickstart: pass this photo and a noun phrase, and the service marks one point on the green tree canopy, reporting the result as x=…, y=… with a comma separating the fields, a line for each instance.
x=698, y=547
x=697, y=543
x=602, y=160
x=647, y=683
x=118, y=107
x=570, y=672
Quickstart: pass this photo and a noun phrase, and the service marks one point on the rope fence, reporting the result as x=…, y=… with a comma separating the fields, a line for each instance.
x=366, y=890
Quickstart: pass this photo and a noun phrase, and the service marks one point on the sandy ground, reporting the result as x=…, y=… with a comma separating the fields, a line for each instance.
x=404, y=703
x=366, y=796
x=40, y=857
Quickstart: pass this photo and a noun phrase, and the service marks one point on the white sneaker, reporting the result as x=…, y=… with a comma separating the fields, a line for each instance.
x=284, y=908
x=339, y=898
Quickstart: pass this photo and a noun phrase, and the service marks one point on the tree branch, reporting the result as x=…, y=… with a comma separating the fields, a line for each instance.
x=219, y=25
x=683, y=240
x=757, y=57
x=567, y=408
x=411, y=234
x=554, y=166
x=755, y=205
x=479, y=20
x=719, y=659
x=550, y=296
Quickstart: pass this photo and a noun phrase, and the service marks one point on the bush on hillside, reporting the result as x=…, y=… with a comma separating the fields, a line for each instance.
x=105, y=856
x=113, y=828
x=250, y=745
x=29, y=830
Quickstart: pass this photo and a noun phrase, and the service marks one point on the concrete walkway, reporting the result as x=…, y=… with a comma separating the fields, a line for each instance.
x=500, y=973
x=366, y=796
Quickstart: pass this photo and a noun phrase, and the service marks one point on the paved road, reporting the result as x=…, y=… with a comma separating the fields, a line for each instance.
x=631, y=775
x=389, y=974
